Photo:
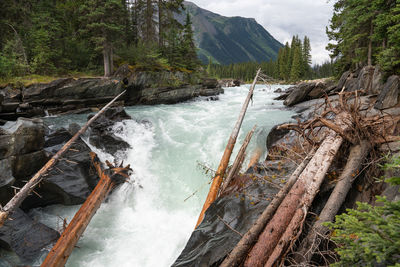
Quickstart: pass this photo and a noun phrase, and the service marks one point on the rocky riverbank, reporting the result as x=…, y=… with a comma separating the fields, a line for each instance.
x=25, y=146
x=69, y=95
x=237, y=208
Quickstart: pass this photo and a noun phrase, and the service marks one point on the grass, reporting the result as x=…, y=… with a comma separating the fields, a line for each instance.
x=35, y=78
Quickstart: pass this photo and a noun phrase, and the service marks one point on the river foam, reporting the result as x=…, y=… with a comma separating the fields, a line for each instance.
x=147, y=222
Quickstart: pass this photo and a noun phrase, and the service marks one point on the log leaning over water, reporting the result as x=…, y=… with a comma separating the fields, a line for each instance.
x=237, y=255
x=236, y=166
x=59, y=254
x=215, y=186
x=16, y=201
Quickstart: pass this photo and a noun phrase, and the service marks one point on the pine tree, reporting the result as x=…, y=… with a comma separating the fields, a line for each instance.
x=306, y=57
x=188, y=46
x=102, y=22
x=296, y=64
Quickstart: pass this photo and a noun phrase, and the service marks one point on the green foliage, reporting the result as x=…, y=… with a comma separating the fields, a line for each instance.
x=292, y=64
x=360, y=28
x=369, y=235
x=53, y=37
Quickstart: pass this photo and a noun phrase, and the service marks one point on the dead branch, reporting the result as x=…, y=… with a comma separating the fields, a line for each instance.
x=59, y=254
x=215, y=186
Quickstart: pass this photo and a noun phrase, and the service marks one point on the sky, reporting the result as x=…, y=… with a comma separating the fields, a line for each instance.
x=282, y=19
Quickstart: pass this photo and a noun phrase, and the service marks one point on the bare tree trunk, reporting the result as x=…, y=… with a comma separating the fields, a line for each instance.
x=255, y=157
x=20, y=44
x=301, y=195
x=160, y=23
x=16, y=201
x=111, y=60
x=370, y=45
x=106, y=59
x=214, y=189
x=239, y=159
x=61, y=251
x=240, y=251
x=310, y=243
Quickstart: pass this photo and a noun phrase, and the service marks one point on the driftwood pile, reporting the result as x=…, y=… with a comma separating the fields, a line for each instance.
x=276, y=233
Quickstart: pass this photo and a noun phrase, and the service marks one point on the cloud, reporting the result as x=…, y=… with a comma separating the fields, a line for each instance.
x=283, y=18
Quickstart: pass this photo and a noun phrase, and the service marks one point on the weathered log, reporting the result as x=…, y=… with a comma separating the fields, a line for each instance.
x=237, y=255
x=255, y=157
x=310, y=243
x=238, y=160
x=59, y=254
x=301, y=194
x=215, y=186
x=16, y=201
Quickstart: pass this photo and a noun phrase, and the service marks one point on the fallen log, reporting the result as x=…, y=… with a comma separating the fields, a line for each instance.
x=238, y=160
x=109, y=178
x=16, y=201
x=301, y=195
x=237, y=255
x=215, y=186
x=255, y=157
x=311, y=242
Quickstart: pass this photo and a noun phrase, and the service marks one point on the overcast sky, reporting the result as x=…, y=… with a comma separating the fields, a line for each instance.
x=282, y=18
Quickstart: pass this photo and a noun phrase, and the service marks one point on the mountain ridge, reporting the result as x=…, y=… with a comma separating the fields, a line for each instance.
x=229, y=39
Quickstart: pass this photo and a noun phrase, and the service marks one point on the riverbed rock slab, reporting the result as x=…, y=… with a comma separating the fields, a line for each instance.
x=44, y=90
x=298, y=94
x=25, y=236
x=389, y=95
x=102, y=131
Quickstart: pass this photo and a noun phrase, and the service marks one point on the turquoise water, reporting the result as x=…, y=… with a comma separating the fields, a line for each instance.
x=147, y=222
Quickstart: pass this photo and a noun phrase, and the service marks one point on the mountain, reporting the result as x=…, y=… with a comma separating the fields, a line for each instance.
x=229, y=39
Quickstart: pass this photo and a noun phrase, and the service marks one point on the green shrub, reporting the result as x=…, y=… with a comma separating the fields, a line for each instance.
x=369, y=235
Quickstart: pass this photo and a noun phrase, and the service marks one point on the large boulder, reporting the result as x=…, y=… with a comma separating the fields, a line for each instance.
x=71, y=180
x=44, y=90
x=275, y=135
x=26, y=237
x=365, y=78
x=389, y=95
x=343, y=79
x=102, y=132
x=377, y=83
x=299, y=94
x=212, y=240
x=21, y=137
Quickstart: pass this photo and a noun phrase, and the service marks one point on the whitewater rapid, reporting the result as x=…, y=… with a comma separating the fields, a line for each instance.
x=147, y=222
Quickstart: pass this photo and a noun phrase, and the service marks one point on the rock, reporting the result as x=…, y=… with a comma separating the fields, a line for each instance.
x=44, y=90
x=365, y=78
x=11, y=94
x=342, y=80
x=71, y=180
x=351, y=83
x=389, y=95
x=274, y=135
x=279, y=90
x=26, y=165
x=377, y=83
x=21, y=137
x=299, y=94
x=212, y=240
x=210, y=83
x=6, y=175
x=318, y=91
x=26, y=237
x=102, y=133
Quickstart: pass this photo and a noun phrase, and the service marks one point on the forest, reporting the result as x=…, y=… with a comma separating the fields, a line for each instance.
x=365, y=33
x=52, y=37
x=293, y=64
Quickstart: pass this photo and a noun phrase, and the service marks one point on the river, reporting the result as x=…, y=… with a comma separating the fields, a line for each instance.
x=147, y=222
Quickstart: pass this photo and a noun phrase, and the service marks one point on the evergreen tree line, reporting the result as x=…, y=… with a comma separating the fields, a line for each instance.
x=292, y=64
x=59, y=36
x=365, y=32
